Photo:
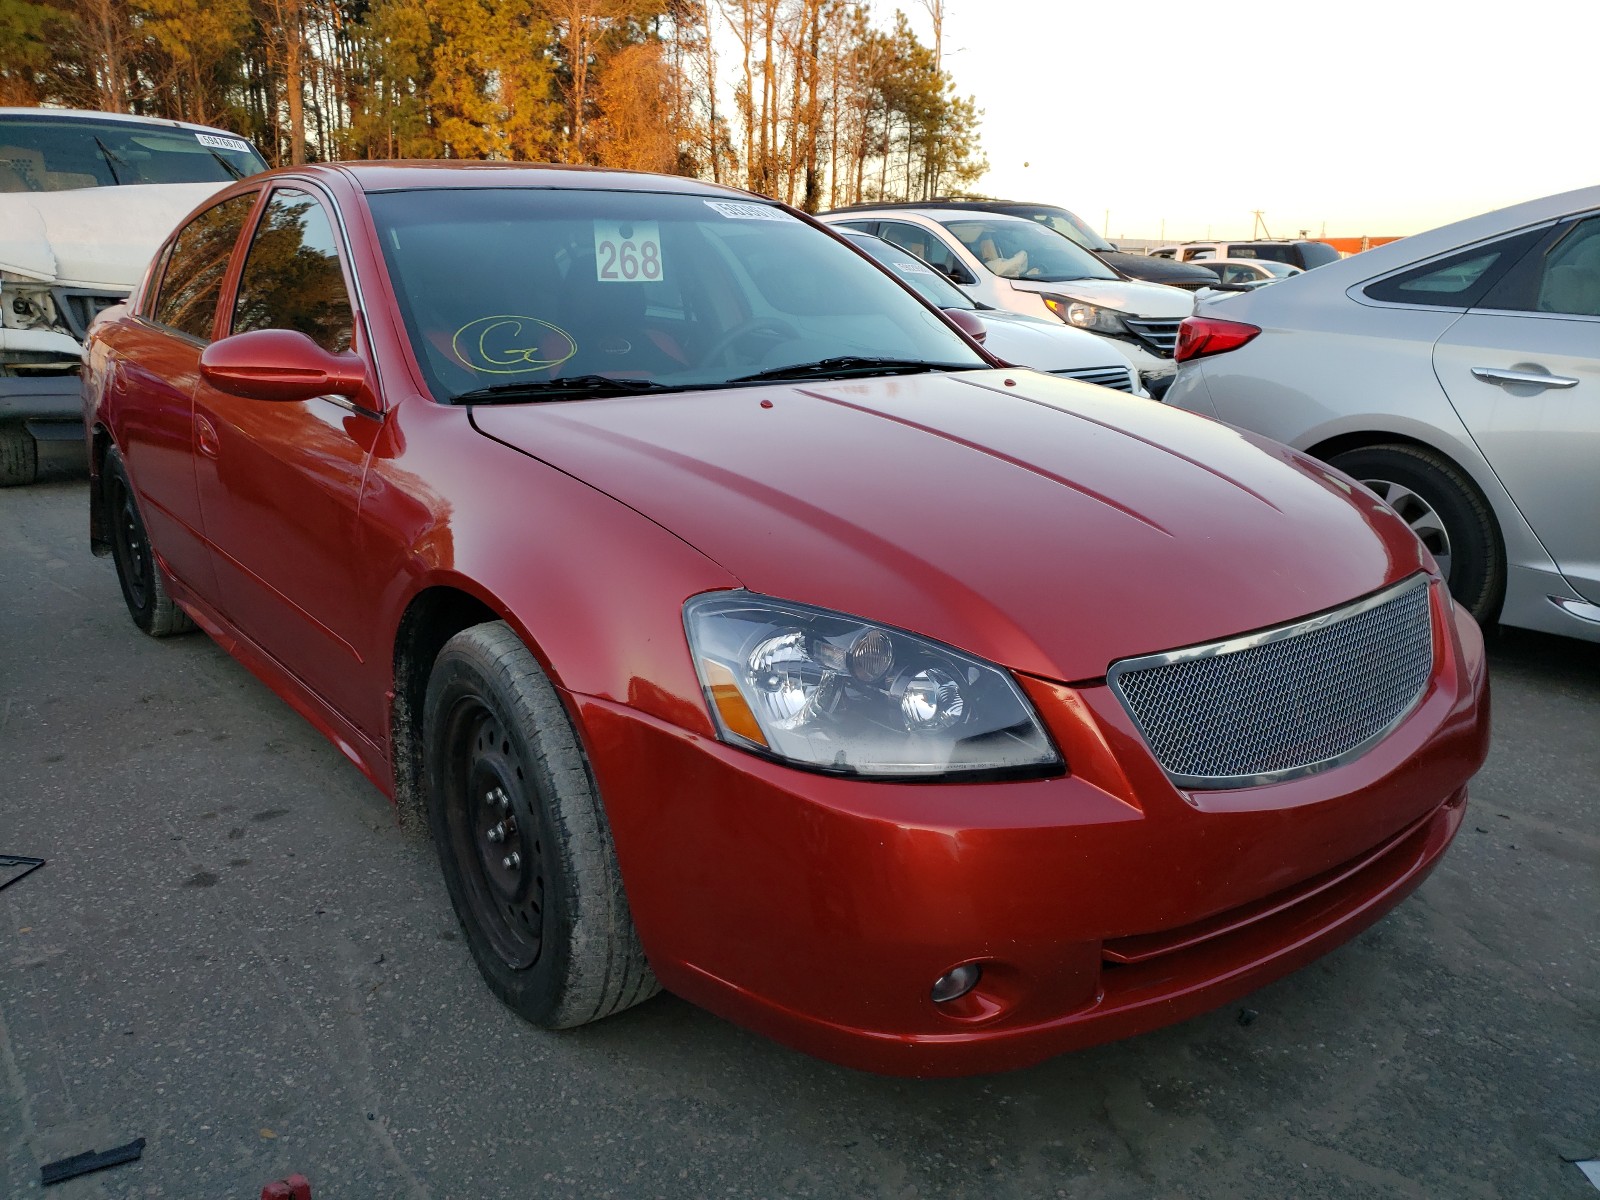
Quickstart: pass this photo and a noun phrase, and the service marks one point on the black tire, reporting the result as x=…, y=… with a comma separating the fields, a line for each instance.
x=19, y=456
x=1473, y=555
x=144, y=583
x=552, y=932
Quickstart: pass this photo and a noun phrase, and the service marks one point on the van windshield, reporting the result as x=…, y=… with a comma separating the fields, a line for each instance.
x=58, y=154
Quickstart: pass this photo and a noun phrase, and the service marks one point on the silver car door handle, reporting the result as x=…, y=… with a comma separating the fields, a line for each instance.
x=1496, y=375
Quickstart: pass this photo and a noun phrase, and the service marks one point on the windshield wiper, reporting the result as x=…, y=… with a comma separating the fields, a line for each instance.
x=846, y=365
x=557, y=389
x=226, y=165
x=111, y=160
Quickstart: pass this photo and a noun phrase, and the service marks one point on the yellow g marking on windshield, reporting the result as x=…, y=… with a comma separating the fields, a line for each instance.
x=500, y=345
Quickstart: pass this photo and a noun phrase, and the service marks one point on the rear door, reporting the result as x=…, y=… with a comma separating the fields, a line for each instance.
x=1522, y=369
x=158, y=363
x=280, y=483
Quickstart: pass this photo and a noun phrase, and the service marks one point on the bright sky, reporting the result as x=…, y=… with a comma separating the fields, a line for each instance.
x=1369, y=117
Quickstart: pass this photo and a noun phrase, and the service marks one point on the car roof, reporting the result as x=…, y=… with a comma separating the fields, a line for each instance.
x=929, y=212
x=411, y=175
x=78, y=114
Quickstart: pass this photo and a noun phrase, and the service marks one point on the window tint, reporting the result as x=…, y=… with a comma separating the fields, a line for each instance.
x=1565, y=278
x=291, y=277
x=925, y=246
x=1458, y=281
x=187, y=300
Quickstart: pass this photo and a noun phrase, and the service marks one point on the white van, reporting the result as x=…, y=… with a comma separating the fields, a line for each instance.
x=85, y=199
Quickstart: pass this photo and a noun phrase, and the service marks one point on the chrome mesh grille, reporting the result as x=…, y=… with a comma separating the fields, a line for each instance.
x=1287, y=701
x=1112, y=377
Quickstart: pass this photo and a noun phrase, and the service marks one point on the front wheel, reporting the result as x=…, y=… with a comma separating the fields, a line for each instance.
x=19, y=456
x=523, y=840
x=1446, y=511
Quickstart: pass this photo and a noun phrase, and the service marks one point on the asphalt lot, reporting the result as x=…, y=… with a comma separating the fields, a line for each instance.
x=235, y=953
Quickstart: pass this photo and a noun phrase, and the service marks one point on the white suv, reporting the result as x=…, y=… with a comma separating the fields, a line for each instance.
x=85, y=199
x=1018, y=265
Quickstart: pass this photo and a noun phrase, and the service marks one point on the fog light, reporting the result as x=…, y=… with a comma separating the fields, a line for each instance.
x=952, y=985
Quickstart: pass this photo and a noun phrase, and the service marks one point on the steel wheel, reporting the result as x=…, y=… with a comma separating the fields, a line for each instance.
x=129, y=545
x=495, y=833
x=1420, y=515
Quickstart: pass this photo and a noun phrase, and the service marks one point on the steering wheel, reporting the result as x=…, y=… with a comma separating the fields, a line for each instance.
x=771, y=326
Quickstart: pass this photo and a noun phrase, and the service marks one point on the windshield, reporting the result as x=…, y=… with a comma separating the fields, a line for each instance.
x=1014, y=248
x=52, y=154
x=1068, y=225
x=525, y=287
x=921, y=278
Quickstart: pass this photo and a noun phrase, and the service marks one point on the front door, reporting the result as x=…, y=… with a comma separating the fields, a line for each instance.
x=280, y=484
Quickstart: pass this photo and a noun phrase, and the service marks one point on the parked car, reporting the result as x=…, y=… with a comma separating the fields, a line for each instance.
x=1012, y=263
x=1302, y=254
x=1069, y=225
x=85, y=198
x=1245, y=273
x=740, y=625
x=1043, y=344
x=1457, y=374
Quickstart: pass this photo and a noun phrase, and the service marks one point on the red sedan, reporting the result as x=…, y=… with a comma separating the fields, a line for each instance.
x=735, y=622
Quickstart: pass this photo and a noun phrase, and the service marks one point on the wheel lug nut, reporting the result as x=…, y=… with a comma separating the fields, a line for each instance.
x=512, y=861
x=498, y=833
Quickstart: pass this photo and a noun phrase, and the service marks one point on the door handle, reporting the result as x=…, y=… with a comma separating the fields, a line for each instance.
x=1531, y=378
x=205, y=436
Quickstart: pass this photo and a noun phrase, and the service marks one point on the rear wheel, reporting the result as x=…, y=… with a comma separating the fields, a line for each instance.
x=144, y=583
x=19, y=456
x=522, y=837
x=1446, y=511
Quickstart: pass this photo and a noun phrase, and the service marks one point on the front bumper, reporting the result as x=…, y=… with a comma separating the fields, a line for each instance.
x=49, y=404
x=1103, y=903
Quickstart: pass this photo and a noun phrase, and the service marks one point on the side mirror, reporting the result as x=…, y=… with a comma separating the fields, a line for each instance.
x=279, y=364
x=969, y=322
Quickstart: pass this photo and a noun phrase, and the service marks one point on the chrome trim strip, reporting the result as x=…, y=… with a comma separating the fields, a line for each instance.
x=1581, y=609
x=1249, y=641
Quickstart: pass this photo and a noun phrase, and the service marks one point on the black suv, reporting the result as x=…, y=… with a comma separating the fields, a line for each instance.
x=1069, y=225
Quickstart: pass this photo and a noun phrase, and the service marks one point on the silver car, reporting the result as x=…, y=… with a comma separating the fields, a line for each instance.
x=1457, y=374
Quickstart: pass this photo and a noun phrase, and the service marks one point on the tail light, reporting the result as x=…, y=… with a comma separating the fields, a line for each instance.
x=1200, y=336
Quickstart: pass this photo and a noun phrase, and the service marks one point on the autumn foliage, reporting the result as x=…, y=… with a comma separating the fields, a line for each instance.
x=804, y=100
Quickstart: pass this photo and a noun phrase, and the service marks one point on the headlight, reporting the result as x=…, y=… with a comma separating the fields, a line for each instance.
x=28, y=304
x=822, y=690
x=1080, y=314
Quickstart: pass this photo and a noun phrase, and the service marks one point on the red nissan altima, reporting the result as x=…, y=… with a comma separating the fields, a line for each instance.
x=734, y=622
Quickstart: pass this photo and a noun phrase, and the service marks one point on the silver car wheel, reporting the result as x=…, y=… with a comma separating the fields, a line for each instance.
x=1420, y=515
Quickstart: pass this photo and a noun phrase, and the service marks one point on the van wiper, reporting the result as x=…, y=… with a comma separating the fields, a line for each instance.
x=846, y=365
x=564, y=387
x=111, y=160
x=226, y=165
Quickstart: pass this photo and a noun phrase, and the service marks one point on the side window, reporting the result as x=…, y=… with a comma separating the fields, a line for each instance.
x=1199, y=253
x=925, y=246
x=1458, y=281
x=1564, y=279
x=291, y=277
x=187, y=298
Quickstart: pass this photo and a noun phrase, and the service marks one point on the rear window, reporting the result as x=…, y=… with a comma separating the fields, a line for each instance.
x=1458, y=281
x=54, y=154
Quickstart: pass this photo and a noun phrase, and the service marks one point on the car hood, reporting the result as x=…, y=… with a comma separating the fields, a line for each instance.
x=1049, y=526
x=1158, y=270
x=1154, y=300
x=1045, y=344
x=92, y=237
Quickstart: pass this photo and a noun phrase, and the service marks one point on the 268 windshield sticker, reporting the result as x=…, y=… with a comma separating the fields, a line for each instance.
x=628, y=252
x=741, y=211
x=238, y=145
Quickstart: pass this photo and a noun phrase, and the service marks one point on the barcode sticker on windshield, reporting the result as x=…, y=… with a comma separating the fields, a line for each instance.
x=741, y=211
x=238, y=145
x=627, y=252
